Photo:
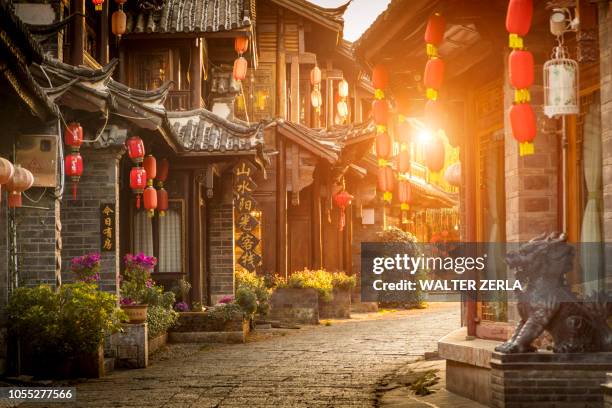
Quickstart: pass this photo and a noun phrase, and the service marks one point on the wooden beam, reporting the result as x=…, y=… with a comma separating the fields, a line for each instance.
x=281, y=69
x=77, y=48
x=281, y=206
x=317, y=241
x=196, y=74
x=295, y=89
x=104, y=34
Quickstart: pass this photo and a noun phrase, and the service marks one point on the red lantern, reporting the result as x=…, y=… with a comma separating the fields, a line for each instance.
x=434, y=153
x=162, y=171
x=518, y=17
x=150, y=200
x=384, y=146
x=315, y=76
x=136, y=149
x=138, y=182
x=240, y=68
x=386, y=180
x=119, y=23
x=380, y=111
x=150, y=165
x=520, y=64
x=73, y=168
x=434, y=33
x=434, y=114
x=404, y=194
x=6, y=170
x=524, y=130
x=73, y=136
x=162, y=201
x=241, y=45
x=21, y=180
x=98, y=4
x=404, y=131
x=380, y=77
x=434, y=73
x=343, y=199
x=403, y=160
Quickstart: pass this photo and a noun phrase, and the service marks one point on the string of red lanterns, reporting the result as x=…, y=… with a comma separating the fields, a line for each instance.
x=162, y=194
x=384, y=144
x=150, y=194
x=138, y=175
x=404, y=167
x=521, y=75
x=73, y=162
x=241, y=45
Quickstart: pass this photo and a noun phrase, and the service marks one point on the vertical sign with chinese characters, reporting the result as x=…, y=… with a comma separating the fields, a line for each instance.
x=245, y=208
x=107, y=227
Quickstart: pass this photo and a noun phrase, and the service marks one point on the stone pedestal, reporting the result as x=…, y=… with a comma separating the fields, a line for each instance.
x=546, y=379
x=131, y=348
x=295, y=305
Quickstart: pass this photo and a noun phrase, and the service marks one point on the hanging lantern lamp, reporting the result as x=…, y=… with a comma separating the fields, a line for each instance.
x=434, y=153
x=343, y=88
x=138, y=182
x=403, y=159
x=434, y=115
x=150, y=165
x=518, y=21
x=150, y=200
x=316, y=99
x=404, y=195
x=380, y=111
x=342, y=109
x=162, y=171
x=162, y=202
x=433, y=77
x=136, y=149
x=343, y=199
x=434, y=33
x=386, y=181
x=241, y=44
x=452, y=175
x=315, y=76
x=6, y=172
x=73, y=136
x=521, y=68
x=73, y=168
x=380, y=77
x=384, y=148
x=561, y=84
x=240, y=68
x=98, y=4
x=523, y=123
x=119, y=23
x=21, y=180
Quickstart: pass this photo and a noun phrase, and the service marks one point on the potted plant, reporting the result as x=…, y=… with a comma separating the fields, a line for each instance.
x=86, y=268
x=135, y=282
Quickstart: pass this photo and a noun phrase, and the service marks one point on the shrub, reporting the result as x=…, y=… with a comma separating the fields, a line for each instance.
x=69, y=322
x=225, y=312
x=341, y=280
x=160, y=314
x=320, y=280
x=257, y=285
x=247, y=300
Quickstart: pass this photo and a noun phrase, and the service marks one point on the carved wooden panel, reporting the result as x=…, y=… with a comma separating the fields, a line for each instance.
x=259, y=93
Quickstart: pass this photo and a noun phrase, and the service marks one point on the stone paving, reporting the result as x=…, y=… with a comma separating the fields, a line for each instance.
x=336, y=365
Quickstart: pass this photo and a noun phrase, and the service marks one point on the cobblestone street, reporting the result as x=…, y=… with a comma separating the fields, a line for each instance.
x=336, y=366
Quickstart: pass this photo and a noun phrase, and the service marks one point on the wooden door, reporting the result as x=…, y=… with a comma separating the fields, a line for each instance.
x=299, y=232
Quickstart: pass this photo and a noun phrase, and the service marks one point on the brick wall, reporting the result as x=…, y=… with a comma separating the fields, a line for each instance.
x=221, y=250
x=81, y=217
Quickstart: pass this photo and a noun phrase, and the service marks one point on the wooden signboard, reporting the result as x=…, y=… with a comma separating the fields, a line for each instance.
x=245, y=206
x=107, y=227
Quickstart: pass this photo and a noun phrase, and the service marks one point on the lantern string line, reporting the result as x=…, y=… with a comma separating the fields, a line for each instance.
x=101, y=130
x=38, y=199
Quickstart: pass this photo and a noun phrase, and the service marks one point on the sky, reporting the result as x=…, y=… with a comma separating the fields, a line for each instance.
x=359, y=15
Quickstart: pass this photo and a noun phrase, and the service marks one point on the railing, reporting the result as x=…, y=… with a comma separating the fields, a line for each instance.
x=178, y=100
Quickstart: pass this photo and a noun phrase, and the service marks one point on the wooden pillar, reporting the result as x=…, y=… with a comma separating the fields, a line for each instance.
x=195, y=243
x=317, y=242
x=123, y=65
x=281, y=68
x=281, y=207
x=295, y=89
x=196, y=74
x=104, y=33
x=77, y=46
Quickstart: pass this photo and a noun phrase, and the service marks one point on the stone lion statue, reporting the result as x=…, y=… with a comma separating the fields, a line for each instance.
x=546, y=302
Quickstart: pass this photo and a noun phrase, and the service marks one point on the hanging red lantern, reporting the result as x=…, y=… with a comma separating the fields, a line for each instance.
x=150, y=200
x=518, y=17
x=119, y=23
x=21, y=180
x=343, y=199
x=162, y=171
x=73, y=168
x=138, y=182
x=404, y=194
x=240, y=68
x=136, y=149
x=521, y=67
x=73, y=136
x=241, y=44
x=162, y=201
x=150, y=165
x=380, y=77
x=380, y=111
x=384, y=146
x=315, y=76
x=404, y=131
x=436, y=26
x=6, y=172
x=524, y=130
x=386, y=181
x=403, y=159
x=434, y=153
x=434, y=73
x=434, y=115
x=98, y=4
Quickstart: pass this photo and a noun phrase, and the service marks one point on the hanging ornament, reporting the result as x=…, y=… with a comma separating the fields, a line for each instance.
x=520, y=67
x=523, y=123
x=150, y=200
x=518, y=21
x=241, y=44
x=380, y=80
x=433, y=77
x=73, y=168
x=434, y=33
x=404, y=195
x=343, y=199
x=162, y=194
x=434, y=115
x=386, y=181
x=240, y=68
x=403, y=159
x=162, y=202
x=384, y=148
x=136, y=150
x=404, y=131
x=342, y=109
x=452, y=175
x=21, y=180
x=316, y=99
x=315, y=76
x=138, y=182
x=150, y=165
x=162, y=171
x=380, y=111
x=434, y=153
x=98, y=4
x=561, y=84
x=343, y=89
x=119, y=24
x=6, y=172
x=73, y=136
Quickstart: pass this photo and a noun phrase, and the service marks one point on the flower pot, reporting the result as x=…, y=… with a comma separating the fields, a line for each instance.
x=135, y=313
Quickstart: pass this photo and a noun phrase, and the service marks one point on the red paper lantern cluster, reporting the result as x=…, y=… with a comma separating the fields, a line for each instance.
x=73, y=163
x=521, y=73
x=384, y=144
x=241, y=45
x=162, y=194
x=138, y=174
x=343, y=199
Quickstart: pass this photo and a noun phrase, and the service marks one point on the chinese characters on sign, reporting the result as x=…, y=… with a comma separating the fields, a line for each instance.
x=246, y=223
x=107, y=227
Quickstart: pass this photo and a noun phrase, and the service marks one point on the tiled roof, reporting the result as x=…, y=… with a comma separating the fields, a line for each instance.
x=332, y=18
x=203, y=131
x=191, y=16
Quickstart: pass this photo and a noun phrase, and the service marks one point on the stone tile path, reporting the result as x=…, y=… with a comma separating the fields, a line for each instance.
x=336, y=365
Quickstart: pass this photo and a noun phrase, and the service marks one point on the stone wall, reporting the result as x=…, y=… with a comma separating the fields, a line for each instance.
x=81, y=217
x=221, y=250
x=295, y=305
